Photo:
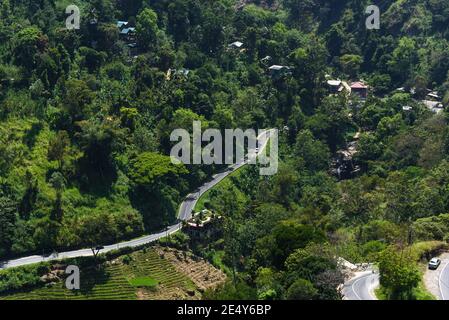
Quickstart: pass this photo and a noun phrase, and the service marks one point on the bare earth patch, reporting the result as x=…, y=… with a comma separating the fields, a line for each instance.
x=202, y=273
x=163, y=293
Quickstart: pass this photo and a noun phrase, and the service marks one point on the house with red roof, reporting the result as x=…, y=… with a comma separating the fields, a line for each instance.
x=360, y=89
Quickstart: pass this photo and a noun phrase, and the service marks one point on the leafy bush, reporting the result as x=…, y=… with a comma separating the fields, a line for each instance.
x=22, y=277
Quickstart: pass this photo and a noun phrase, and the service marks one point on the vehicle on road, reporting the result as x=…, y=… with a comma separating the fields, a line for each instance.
x=434, y=263
x=184, y=214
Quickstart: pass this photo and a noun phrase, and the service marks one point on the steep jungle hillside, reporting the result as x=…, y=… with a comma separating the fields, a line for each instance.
x=86, y=117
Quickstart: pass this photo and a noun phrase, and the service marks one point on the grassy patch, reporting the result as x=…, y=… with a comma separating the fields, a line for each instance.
x=420, y=250
x=380, y=293
x=217, y=261
x=144, y=282
x=419, y=293
x=202, y=200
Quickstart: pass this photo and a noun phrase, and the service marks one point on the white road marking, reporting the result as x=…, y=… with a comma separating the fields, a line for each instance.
x=440, y=282
x=352, y=287
x=370, y=285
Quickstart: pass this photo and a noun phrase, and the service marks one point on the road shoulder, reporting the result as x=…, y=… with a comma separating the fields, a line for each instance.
x=432, y=278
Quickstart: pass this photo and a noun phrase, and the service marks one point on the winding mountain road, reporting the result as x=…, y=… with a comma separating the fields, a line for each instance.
x=443, y=280
x=437, y=281
x=362, y=286
x=185, y=211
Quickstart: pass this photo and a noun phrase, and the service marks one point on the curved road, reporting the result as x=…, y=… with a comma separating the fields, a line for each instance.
x=437, y=281
x=443, y=280
x=362, y=286
x=185, y=211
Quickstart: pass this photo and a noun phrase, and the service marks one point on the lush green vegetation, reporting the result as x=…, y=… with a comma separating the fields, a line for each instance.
x=204, y=201
x=401, y=276
x=86, y=117
x=23, y=277
x=143, y=282
x=119, y=280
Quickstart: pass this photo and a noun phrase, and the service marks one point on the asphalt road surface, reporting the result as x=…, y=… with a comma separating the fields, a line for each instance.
x=185, y=212
x=437, y=281
x=443, y=280
x=361, y=287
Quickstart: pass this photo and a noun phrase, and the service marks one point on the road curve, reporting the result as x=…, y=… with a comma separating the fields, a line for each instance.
x=437, y=281
x=443, y=279
x=361, y=287
x=185, y=211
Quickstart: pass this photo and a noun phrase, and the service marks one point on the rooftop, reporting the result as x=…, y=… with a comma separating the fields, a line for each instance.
x=202, y=218
x=236, y=44
x=121, y=24
x=433, y=106
x=358, y=85
x=128, y=30
x=278, y=67
x=433, y=95
x=334, y=83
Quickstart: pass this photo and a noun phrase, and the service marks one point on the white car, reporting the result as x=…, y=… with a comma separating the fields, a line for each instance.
x=434, y=263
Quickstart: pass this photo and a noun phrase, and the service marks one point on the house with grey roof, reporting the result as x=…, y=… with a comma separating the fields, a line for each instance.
x=278, y=71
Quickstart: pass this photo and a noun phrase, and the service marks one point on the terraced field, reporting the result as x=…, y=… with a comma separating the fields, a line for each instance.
x=113, y=282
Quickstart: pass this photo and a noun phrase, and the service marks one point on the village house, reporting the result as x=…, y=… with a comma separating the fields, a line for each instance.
x=434, y=106
x=407, y=108
x=122, y=24
x=433, y=95
x=181, y=74
x=337, y=86
x=433, y=101
x=334, y=86
x=265, y=60
x=203, y=224
x=278, y=71
x=235, y=45
x=360, y=89
x=127, y=32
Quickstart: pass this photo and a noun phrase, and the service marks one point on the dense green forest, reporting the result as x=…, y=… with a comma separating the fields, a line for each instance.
x=86, y=117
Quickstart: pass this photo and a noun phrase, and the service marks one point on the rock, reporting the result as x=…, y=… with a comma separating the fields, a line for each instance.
x=58, y=273
x=51, y=277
